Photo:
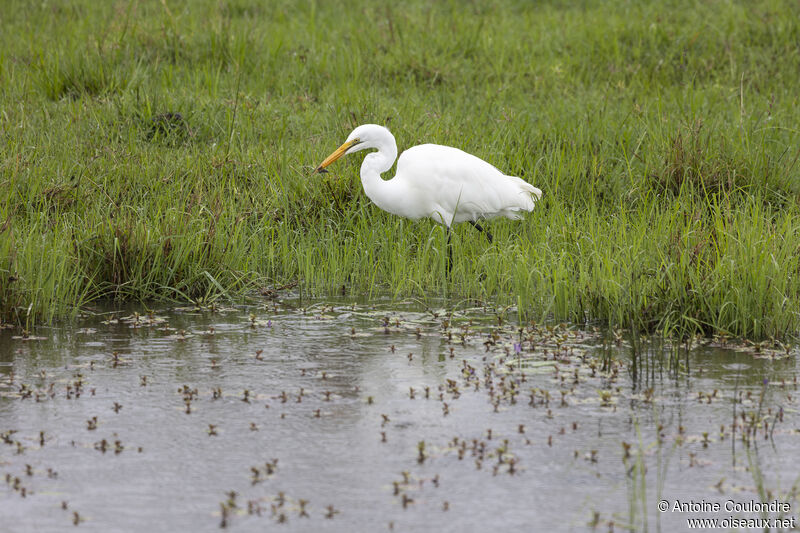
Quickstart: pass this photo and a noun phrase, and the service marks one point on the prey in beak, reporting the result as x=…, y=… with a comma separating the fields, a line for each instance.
x=339, y=152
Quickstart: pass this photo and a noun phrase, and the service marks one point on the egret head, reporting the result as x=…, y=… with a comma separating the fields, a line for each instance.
x=364, y=136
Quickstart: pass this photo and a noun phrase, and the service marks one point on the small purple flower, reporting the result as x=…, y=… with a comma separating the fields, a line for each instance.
x=269, y=323
x=517, y=347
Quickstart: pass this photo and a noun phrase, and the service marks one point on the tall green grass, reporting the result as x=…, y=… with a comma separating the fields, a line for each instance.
x=663, y=134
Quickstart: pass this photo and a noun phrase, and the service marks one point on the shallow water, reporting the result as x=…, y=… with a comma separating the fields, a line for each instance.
x=327, y=436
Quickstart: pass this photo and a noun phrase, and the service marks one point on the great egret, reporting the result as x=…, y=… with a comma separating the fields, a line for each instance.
x=440, y=182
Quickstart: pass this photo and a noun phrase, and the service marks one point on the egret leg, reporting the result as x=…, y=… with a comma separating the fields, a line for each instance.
x=449, y=253
x=484, y=230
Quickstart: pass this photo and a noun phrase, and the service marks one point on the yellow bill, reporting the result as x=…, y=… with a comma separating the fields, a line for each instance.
x=335, y=155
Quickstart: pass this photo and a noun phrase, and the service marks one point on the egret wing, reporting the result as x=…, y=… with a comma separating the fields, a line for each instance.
x=459, y=186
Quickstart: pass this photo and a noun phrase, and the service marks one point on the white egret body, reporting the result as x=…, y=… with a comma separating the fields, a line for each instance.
x=440, y=182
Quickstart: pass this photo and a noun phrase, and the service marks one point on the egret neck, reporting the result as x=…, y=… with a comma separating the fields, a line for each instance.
x=381, y=192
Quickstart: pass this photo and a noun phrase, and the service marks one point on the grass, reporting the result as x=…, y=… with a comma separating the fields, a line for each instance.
x=663, y=134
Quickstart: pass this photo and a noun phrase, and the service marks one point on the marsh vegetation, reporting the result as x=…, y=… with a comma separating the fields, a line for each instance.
x=163, y=151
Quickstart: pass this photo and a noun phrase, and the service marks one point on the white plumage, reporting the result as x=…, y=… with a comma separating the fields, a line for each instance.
x=440, y=182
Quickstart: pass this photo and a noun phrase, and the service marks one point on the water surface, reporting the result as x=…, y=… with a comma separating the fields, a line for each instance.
x=320, y=416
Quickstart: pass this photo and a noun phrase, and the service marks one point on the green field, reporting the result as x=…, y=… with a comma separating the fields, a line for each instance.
x=664, y=135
